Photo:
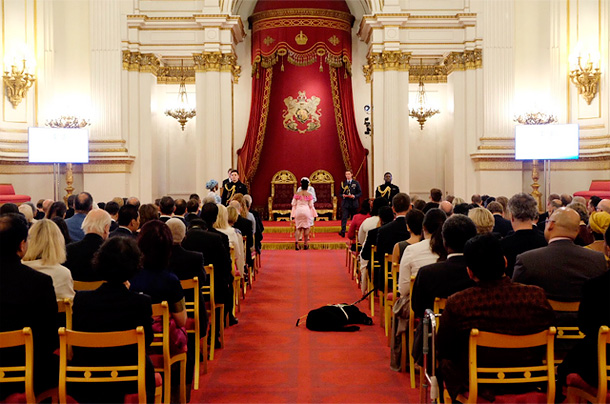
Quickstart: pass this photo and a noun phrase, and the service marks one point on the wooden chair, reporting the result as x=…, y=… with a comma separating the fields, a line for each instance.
x=390, y=291
x=411, y=339
x=22, y=373
x=212, y=307
x=238, y=283
x=439, y=306
x=565, y=332
x=99, y=374
x=283, y=188
x=80, y=285
x=251, y=273
x=542, y=372
x=324, y=184
x=65, y=306
x=579, y=390
x=371, y=278
x=193, y=326
x=163, y=362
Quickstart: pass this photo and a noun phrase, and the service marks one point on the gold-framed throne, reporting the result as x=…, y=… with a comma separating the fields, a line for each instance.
x=283, y=188
x=324, y=184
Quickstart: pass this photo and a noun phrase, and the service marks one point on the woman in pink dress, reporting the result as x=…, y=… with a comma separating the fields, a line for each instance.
x=302, y=213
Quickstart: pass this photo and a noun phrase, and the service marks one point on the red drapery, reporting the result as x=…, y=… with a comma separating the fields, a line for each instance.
x=305, y=121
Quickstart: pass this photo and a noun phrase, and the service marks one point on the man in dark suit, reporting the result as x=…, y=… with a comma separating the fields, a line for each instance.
x=112, y=208
x=79, y=254
x=562, y=267
x=192, y=210
x=387, y=190
x=495, y=304
x=166, y=207
x=445, y=278
x=129, y=222
x=27, y=299
x=351, y=193
x=436, y=195
x=235, y=186
x=386, y=215
x=523, y=209
x=395, y=231
x=501, y=225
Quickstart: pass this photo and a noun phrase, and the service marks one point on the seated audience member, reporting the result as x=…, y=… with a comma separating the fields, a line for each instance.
x=40, y=214
x=386, y=216
x=446, y=207
x=112, y=307
x=502, y=200
x=222, y=224
x=594, y=312
x=391, y=233
x=579, y=199
x=112, y=208
x=495, y=304
x=27, y=212
x=604, y=206
x=552, y=207
x=27, y=299
x=82, y=206
x=180, y=210
x=461, y=208
x=477, y=200
x=80, y=254
x=427, y=251
x=483, y=219
x=415, y=219
x=148, y=212
x=258, y=221
x=157, y=281
x=128, y=221
x=436, y=195
x=132, y=200
x=244, y=225
x=523, y=211
x=599, y=222
x=562, y=267
x=63, y=227
x=419, y=204
x=565, y=199
x=352, y=232
x=8, y=207
x=501, y=225
x=585, y=236
x=368, y=224
x=167, y=206
x=196, y=197
x=192, y=210
x=46, y=206
x=57, y=209
x=46, y=252
x=592, y=204
x=542, y=218
x=445, y=278
x=70, y=206
x=457, y=201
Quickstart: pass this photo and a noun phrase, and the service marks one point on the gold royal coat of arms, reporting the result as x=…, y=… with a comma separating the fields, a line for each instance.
x=302, y=114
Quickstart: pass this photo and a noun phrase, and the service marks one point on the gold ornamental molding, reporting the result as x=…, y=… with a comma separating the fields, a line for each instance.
x=141, y=62
x=216, y=61
x=468, y=60
x=386, y=60
x=428, y=74
x=174, y=74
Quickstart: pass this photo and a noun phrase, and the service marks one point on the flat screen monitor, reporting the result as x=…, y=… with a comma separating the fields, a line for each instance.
x=546, y=142
x=58, y=145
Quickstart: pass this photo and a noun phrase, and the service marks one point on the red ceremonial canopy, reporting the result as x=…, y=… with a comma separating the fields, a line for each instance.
x=302, y=115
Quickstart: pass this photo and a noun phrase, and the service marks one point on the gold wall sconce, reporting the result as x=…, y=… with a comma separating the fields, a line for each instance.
x=17, y=82
x=586, y=78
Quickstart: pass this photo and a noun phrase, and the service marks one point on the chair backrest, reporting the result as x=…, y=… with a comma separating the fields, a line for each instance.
x=209, y=289
x=542, y=372
x=99, y=374
x=603, y=368
x=81, y=285
x=283, y=186
x=24, y=372
x=567, y=332
x=324, y=184
x=162, y=338
x=65, y=306
x=388, y=276
x=192, y=306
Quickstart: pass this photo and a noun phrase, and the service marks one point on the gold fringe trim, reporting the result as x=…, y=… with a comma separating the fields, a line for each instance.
x=312, y=246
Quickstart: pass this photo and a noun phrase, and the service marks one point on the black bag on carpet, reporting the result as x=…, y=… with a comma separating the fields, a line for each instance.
x=336, y=317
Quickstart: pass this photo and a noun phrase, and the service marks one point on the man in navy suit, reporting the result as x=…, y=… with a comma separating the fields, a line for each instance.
x=351, y=193
x=129, y=222
x=395, y=231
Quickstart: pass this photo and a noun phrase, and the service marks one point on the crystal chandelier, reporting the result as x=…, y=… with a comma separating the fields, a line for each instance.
x=183, y=111
x=68, y=121
x=422, y=111
x=535, y=118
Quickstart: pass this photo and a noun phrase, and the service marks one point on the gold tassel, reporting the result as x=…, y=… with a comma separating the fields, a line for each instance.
x=321, y=68
x=282, y=68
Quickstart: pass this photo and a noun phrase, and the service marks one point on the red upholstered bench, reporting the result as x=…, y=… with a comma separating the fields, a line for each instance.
x=599, y=188
x=7, y=194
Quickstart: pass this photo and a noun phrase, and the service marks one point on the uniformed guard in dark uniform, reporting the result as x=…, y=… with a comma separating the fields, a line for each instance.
x=351, y=193
x=235, y=186
x=387, y=190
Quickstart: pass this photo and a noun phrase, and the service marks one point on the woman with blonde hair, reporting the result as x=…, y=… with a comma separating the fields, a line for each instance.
x=46, y=252
x=483, y=219
x=223, y=225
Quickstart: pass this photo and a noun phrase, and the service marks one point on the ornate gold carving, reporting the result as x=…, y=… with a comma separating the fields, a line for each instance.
x=174, y=74
x=140, y=62
x=386, y=60
x=301, y=38
x=334, y=40
x=260, y=136
x=301, y=12
x=334, y=85
x=468, y=60
x=302, y=22
x=268, y=40
x=428, y=74
x=216, y=61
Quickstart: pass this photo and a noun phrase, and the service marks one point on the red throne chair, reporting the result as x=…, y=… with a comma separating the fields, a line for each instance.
x=599, y=188
x=283, y=188
x=7, y=194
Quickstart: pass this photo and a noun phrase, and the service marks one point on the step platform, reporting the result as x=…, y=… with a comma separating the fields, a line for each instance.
x=323, y=236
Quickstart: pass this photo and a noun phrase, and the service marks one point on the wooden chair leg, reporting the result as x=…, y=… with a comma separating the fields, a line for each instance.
x=204, y=353
x=197, y=363
x=183, y=381
x=213, y=334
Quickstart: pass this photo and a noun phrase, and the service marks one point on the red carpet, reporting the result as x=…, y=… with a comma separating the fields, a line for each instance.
x=267, y=359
